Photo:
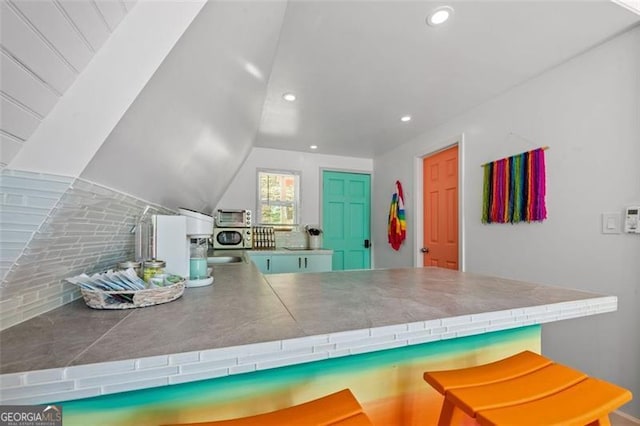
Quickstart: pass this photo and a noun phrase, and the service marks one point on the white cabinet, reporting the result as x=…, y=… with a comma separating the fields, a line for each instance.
x=282, y=263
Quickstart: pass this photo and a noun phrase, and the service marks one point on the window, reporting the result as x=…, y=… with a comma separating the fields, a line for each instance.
x=278, y=197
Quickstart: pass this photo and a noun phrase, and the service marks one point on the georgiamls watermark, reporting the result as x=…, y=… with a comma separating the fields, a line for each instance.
x=30, y=415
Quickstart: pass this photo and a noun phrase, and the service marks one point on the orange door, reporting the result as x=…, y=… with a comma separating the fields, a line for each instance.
x=440, y=215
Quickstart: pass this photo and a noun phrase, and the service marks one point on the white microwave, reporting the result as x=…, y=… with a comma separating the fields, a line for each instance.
x=233, y=218
x=232, y=238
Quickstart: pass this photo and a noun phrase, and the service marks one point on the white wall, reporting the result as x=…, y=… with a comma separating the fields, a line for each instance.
x=242, y=192
x=588, y=111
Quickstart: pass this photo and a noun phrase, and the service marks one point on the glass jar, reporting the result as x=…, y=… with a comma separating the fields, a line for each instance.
x=152, y=268
x=137, y=266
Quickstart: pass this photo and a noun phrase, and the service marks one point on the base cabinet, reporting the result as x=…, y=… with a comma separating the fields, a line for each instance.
x=284, y=264
x=317, y=263
x=263, y=262
x=277, y=264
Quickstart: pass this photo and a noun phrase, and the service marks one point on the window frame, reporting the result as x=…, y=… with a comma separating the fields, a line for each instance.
x=296, y=203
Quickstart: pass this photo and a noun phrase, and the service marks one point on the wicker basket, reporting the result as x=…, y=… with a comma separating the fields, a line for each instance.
x=132, y=299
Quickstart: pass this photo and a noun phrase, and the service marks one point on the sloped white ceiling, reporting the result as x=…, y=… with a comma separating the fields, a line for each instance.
x=186, y=135
x=44, y=46
x=632, y=5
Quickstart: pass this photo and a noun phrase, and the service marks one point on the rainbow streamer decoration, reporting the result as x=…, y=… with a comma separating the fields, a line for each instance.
x=514, y=189
x=397, y=223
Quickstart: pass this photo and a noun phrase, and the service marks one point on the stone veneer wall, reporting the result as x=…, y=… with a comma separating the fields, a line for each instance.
x=55, y=227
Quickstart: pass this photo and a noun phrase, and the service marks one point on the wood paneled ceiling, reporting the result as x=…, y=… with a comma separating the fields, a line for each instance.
x=44, y=46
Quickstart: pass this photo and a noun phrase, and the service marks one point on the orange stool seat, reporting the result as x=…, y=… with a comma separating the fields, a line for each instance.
x=514, y=366
x=340, y=408
x=587, y=403
x=525, y=389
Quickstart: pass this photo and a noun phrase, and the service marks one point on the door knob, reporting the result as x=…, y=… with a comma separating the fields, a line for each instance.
x=424, y=249
x=367, y=243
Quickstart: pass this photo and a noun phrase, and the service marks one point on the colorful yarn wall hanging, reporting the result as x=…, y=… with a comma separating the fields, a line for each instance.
x=514, y=189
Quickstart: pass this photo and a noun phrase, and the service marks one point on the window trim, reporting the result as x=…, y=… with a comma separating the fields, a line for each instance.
x=297, y=202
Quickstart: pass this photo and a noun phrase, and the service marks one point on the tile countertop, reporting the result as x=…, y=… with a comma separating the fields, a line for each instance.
x=246, y=322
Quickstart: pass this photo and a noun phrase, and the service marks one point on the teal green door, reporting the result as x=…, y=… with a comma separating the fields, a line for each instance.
x=346, y=213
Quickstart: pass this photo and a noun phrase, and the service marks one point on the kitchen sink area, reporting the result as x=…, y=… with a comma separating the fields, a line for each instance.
x=223, y=260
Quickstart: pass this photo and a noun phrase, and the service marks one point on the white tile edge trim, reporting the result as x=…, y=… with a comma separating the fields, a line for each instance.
x=19, y=388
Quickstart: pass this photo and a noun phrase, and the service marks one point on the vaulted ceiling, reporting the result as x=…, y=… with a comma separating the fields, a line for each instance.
x=45, y=45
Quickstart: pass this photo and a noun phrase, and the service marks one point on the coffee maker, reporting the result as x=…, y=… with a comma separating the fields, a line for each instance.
x=182, y=242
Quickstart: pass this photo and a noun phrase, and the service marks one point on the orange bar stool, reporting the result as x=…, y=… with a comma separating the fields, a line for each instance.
x=525, y=389
x=339, y=409
x=447, y=380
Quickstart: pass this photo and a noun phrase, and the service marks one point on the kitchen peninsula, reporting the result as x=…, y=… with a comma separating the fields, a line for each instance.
x=356, y=329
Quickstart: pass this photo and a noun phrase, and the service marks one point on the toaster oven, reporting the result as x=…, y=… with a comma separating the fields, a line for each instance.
x=233, y=218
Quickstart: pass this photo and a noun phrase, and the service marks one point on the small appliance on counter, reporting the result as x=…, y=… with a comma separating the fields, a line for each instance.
x=181, y=240
x=232, y=229
x=199, y=230
x=233, y=218
x=232, y=238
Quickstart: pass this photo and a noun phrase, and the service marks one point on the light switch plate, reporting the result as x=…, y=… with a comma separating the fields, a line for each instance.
x=611, y=223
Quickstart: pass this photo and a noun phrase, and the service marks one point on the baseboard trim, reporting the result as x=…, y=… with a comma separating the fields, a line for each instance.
x=628, y=417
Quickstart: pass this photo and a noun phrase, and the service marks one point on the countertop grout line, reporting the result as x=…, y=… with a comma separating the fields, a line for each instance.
x=69, y=364
x=273, y=290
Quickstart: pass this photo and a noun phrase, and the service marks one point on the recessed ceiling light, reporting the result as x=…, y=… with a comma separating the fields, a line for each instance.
x=439, y=16
x=313, y=146
x=289, y=97
x=405, y=118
